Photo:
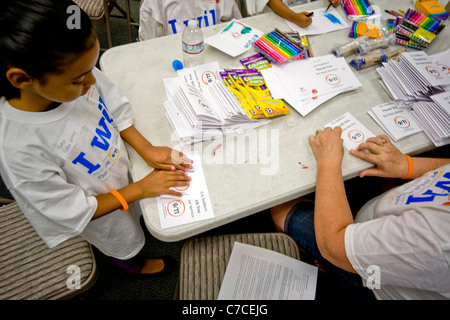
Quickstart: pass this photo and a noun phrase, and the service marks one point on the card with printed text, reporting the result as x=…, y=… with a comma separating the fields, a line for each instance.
x=353, y=132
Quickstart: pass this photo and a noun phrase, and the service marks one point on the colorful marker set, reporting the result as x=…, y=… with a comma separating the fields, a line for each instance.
x=408, y=44
x=416, y=30
x=357, y=7
x=278, y=47
x=418, y=19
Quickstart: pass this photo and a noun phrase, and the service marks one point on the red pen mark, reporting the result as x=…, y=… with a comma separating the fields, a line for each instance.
x=302, y=165
x=214, y=151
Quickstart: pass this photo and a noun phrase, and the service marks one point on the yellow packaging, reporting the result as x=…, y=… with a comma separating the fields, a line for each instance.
x=424, y=35
x=248, y=101
x=256, y=86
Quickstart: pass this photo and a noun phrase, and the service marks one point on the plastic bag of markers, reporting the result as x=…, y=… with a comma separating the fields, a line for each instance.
x=375, y=57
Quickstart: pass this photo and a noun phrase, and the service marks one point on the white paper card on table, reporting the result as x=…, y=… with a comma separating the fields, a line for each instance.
x=397, y=122
x=255, y=273
x=235, y=39
x=353, y=132
x=194, y=205
x=322, y=22
x=443, y=99
x=305, y=84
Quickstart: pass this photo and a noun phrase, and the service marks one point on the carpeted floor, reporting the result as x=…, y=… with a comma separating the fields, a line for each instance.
x=114, y=284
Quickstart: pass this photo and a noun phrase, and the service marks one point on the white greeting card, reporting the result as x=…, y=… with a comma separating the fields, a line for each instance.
x=235, y=39
x=353, y=132
x=193, y=205
x=397, y=122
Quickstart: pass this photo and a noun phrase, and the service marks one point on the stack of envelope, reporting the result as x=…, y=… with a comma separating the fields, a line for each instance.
x=200, y=107
x=306, y=84
x=420, y=83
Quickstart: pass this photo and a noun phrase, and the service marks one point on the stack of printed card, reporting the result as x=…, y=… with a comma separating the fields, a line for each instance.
x=201, y=108
x=397, y=122
x=420, y=83
x=306, y=84
x=434, y=117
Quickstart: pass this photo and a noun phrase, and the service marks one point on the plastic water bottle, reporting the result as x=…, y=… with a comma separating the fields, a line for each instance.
x=193, y=46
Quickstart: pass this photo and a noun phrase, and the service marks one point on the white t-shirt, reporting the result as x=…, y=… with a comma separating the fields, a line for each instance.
x=405, y=234
x=258, y=6
x=163, y=17
x=55, y=162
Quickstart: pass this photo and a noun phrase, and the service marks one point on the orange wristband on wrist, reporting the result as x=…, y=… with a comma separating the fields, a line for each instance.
x=122, y=201
x=410, y=167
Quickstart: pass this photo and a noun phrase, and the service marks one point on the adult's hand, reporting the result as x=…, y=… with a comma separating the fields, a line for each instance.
x=389, y=161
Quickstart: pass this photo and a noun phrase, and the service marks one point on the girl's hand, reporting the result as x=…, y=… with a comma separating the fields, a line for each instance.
x=335, y=3
x=327, y=146
x=159, y=182
x=166, y=158
x=302, y=20
x=389, y=161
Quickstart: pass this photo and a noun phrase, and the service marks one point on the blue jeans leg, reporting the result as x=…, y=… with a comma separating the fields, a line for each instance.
x=299, y=225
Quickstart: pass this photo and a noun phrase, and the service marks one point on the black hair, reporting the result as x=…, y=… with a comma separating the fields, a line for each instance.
x=40, y=36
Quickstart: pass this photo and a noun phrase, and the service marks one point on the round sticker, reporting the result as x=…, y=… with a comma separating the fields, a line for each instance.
x=176, y=208
x=402, y=122
x=204, y=105
x=333, y=79
x=432, y=71
x=208, y=77
x=356, y=136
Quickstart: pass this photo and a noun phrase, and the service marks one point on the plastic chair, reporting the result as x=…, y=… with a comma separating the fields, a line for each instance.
x=100, y=13
x=205, y=259
x=29, y=270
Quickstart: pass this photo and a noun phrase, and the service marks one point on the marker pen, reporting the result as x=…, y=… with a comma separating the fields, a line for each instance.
x=275, y=55
x=278, y=45
x=275, y=48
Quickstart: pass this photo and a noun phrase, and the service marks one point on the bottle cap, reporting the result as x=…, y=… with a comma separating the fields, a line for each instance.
x=192, y=23
x=177, y=65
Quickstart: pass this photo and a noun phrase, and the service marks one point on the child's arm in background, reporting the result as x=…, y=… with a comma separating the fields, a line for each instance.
x=285, y=12
x=301, y=19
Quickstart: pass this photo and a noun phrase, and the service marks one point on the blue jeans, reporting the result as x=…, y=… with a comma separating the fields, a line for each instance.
x=299, y=225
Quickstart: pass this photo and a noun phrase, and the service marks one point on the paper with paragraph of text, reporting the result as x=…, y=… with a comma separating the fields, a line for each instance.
x=255, y=273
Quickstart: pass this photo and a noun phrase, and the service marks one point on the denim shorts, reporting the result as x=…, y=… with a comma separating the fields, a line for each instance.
x=299, y=225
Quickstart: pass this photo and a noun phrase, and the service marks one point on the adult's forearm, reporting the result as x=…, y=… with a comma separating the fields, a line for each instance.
x=423, y=165
x=332, y=215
